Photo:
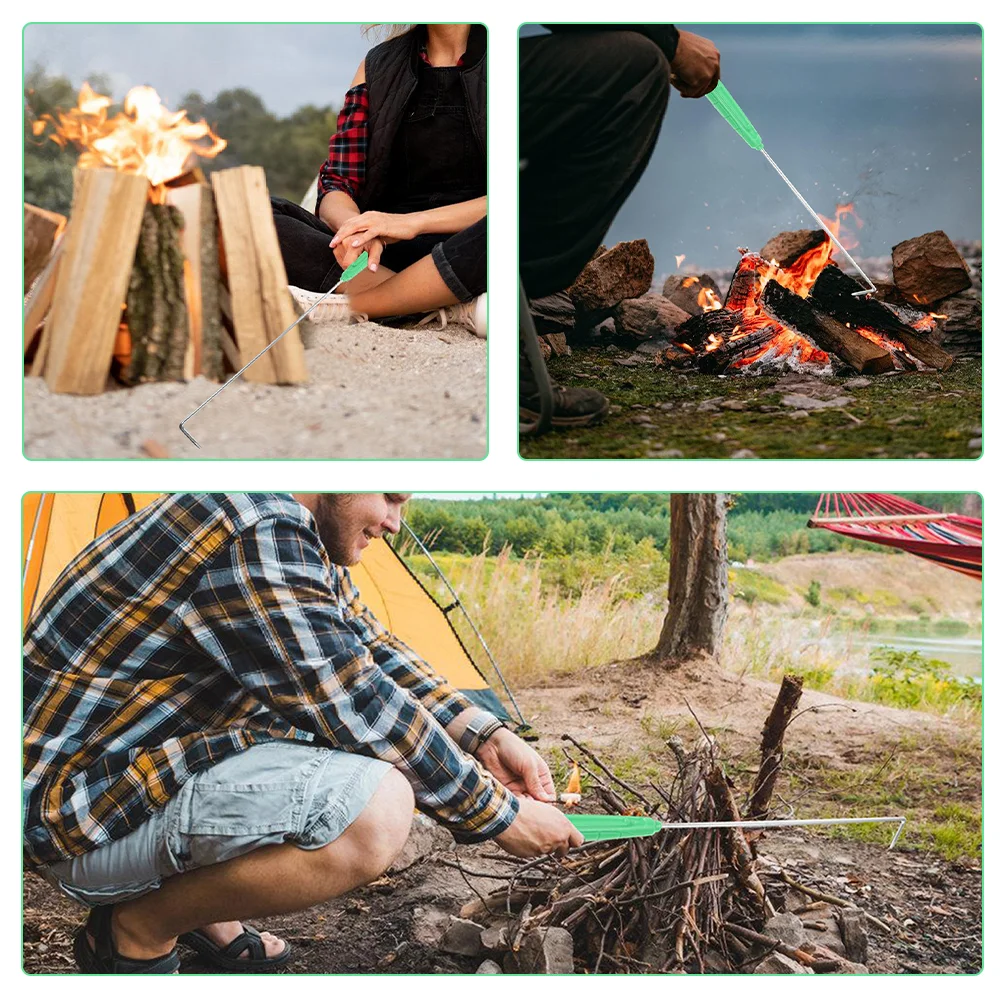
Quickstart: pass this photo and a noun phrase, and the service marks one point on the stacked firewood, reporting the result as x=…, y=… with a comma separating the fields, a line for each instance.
x=687, y=900
x=157, y=282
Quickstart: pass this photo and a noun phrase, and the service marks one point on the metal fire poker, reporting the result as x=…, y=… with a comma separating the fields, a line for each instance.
x=598, y=827
x=349, y=273
x=730, y=111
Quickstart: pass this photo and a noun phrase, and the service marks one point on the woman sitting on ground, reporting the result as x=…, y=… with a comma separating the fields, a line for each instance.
x=406, y=180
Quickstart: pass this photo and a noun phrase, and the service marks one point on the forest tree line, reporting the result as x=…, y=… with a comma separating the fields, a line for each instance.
x=760, y=526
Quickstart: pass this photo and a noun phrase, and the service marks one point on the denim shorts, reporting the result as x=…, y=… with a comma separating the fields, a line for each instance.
x=280, y=791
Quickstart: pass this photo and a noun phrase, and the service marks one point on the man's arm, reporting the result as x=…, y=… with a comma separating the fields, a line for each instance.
x=264, y=611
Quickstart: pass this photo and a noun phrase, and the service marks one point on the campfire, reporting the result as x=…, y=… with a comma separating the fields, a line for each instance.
x=792, y=307
x=156, y=275
x=788, y=307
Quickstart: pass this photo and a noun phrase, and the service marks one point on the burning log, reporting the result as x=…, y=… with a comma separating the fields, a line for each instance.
x=788, y=247
x=705, y=328
x=157, y=315
x=772, y=744
x=90, y=287
x=800, y=316
x=833, y=293
x=255, y=275
x=41, y=231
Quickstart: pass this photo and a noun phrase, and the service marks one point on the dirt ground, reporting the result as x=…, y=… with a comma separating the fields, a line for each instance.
x=374, y=392
x=932, y=905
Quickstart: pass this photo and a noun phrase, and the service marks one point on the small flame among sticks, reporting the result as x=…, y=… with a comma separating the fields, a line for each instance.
x=572, y=795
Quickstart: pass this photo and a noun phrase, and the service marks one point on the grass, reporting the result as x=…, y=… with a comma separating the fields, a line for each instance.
x=933, y=415
x=752, y=586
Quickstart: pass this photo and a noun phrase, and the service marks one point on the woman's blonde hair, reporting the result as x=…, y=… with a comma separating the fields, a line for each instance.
x=383, y=32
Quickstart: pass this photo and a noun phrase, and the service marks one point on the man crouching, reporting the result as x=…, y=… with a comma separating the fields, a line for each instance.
x=217, y=728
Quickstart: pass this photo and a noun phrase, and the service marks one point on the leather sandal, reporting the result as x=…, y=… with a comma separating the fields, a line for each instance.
x=228, y=957
x=103, y=958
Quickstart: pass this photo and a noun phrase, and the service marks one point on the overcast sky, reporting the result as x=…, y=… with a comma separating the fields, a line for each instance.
x=287, y=65
x=889, y=115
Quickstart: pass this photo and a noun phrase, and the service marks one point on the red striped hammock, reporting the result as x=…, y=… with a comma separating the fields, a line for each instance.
x=948, y=539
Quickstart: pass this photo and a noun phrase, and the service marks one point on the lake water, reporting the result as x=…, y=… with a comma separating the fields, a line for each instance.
x=963, y=654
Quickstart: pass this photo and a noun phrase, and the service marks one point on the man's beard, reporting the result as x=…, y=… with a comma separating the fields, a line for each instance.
x=334, y=533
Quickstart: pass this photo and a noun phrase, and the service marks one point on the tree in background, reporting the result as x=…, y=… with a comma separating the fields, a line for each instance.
x=697, y=581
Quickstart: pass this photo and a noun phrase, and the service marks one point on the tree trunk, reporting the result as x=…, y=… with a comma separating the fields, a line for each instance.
x=697, y=580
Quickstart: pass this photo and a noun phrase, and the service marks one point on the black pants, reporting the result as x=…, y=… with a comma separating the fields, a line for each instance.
x=590, y=110
x=461, y=258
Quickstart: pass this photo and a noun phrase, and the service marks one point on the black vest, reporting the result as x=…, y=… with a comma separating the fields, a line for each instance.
x=390, y=78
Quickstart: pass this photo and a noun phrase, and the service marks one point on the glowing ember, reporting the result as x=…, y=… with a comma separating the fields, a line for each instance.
x=145, y=138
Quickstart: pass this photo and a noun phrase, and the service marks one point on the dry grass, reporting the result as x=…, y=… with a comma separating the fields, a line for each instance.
x=539, y=634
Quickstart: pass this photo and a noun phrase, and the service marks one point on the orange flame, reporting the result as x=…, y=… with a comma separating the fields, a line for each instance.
x=145, y=138
x=708, y=300
x=572, y=795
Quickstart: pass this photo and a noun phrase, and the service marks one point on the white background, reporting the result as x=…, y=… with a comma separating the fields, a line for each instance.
x=502, y=470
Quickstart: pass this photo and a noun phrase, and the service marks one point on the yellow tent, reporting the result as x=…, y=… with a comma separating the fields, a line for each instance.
x=56, y=527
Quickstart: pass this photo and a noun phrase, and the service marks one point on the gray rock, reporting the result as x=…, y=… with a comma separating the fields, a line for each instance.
x=929, y=268
x=852, y=925
x=974, y=444
x=494, y=938
x=647, y=317
x=543, y=951
x=420, y=842
x=801, y=402
x=489, y=967
x=857, y=383
x=776, y=963
x=462, y=937
x=666, y=454
x=429, y=924
x=798, y=414
x=744, y=454
x=787, y=928
x=623, y=272
x=828, y=938
x=734, y=405
x=684, y=290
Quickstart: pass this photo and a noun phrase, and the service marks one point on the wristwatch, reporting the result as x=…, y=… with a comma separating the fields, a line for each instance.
x=479, y=728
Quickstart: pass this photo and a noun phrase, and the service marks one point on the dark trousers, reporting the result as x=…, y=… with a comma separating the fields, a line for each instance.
x=461, y=258
x=590, y=110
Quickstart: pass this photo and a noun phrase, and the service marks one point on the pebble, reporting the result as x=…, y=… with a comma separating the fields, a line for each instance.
x=744, y=454
x=974, y=444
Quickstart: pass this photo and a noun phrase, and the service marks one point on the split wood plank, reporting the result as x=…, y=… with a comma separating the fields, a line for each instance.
x=36, y=307
x=93, y=278
x=199, y=246
x=259, y=295
x=42, y=230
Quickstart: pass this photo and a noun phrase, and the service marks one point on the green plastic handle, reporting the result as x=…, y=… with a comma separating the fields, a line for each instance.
x=730, y=111
x=355, y=268
x=596, y=827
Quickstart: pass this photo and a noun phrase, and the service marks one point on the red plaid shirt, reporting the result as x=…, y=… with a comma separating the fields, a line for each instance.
x=344, y=168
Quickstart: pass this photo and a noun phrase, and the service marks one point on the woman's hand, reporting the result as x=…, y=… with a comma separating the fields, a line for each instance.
x=515, y=765
x=387, y=226
x=346, y=254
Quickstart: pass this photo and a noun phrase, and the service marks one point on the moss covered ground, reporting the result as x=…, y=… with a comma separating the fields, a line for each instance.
x=665, y=413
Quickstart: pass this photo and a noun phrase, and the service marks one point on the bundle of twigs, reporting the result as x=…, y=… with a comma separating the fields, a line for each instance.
x=659, y=903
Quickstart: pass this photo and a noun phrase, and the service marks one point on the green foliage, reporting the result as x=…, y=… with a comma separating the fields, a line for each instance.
x=753, y=586
x=813, y=593
x=910, y=679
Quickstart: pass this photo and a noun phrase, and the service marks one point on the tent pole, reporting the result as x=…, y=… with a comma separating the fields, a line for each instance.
x=473, y=626
x=31, y=541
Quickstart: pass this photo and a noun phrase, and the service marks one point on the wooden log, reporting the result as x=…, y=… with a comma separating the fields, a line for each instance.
x=157, y=314
x=737, y=348
x=772, y=744
x=36, y=308
x=833, y=293
x=41, y=231
x=258, y=286
x=696, y=332
x=827, y=333
x=201, y=249
x=93, y=278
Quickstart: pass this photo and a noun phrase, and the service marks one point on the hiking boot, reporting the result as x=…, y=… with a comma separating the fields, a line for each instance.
x=334, y=307
x=472, y=315
x=573, y=407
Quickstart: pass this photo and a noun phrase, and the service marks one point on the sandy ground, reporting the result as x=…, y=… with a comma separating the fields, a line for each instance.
x=374, y=392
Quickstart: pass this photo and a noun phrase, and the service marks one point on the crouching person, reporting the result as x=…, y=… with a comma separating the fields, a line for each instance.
x=217, y=728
